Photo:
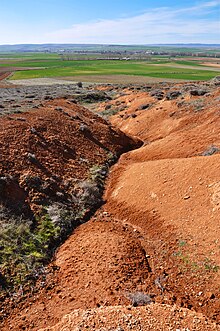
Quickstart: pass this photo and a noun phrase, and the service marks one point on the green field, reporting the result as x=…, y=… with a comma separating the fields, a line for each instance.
x=51, y=65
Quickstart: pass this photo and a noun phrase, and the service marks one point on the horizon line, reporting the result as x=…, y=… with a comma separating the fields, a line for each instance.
x=109, y=44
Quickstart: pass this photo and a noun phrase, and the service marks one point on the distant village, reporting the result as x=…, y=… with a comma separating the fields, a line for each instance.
x=70, y=55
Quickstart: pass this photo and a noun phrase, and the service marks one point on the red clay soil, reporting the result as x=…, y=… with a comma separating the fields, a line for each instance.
x=100, y=264
x=61, y=141
x=105, y=263
x=172, y=180
x=4, y=73
x=158, y=234
x=170, y=128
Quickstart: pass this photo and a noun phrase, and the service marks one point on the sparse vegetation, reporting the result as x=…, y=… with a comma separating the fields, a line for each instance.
x=79, y=84
x=189, y=264
x=182, y=243
x=26, y=245
x=109, y=112
x=197, y=104
x=139, y=299
x=210, y=266
x=25, y=248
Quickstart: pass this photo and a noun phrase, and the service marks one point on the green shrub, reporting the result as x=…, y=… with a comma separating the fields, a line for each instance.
x=24, y=250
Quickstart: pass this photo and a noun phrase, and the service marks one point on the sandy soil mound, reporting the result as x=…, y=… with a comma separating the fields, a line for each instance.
x=183, y=192
x=170, y=128
x=182, y=198
x=136, y=319
x=102, y=263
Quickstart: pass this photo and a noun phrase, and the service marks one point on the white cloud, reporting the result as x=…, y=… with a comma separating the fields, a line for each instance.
x=160, y=25
x=193, y=24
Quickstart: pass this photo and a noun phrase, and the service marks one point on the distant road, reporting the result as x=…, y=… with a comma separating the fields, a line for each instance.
x=112, y=79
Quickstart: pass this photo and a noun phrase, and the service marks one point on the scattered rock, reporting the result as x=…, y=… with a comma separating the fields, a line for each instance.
x=211, y=150
x=144, y=106
x=173, y=95
x=215, y=81
x=108, y=107
x=79, y=84
x=93, y=97
x=198, y=92
x=158, y=94
x=133, y=115
x=209, y=295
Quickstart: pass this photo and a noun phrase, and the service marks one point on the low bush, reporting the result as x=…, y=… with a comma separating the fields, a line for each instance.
x=25, y=248
x=27, y=245
x=139, y=299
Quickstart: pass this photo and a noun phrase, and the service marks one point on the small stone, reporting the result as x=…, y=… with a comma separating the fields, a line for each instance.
x=133, y=115
x=209, y=295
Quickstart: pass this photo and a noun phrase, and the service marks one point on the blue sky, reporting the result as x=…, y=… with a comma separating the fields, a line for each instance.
x=114, y=22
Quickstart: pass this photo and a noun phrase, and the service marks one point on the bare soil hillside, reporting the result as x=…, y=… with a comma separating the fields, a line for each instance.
x=155, y=240
x=169, y=188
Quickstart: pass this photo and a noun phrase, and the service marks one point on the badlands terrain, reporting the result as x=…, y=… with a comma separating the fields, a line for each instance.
x=110, y=201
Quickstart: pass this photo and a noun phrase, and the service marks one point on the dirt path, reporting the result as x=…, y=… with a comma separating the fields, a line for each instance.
x=122, y=79
x=215, y=65
x=113, y=79
x=204, y=66
x=42, y=82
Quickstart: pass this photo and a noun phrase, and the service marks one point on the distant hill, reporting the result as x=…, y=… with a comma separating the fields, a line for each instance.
x=96, y=47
